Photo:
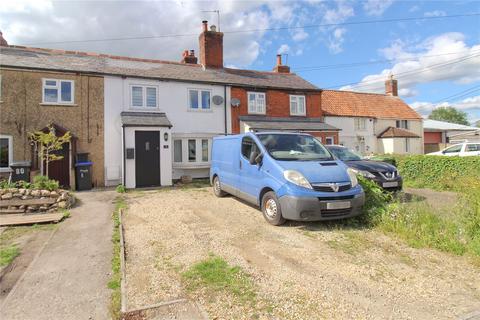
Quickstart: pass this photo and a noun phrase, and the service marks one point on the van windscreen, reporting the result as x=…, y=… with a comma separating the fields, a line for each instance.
x=293, y=147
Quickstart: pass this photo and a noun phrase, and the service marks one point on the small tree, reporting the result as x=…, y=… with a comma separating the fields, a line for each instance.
x=477, y=124
x=47, y=143
x=449, y=114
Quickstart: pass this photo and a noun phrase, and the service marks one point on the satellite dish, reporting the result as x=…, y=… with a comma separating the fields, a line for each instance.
x=218, y=100
x=235, y=102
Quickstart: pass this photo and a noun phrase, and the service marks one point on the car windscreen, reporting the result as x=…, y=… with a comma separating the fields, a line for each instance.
x=292, y=147
x=344, y=154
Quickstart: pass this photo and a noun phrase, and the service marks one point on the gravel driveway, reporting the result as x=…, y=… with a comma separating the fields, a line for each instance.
x=299, y=270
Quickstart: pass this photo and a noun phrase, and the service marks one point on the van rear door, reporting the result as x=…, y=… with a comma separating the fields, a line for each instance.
x=225, y=155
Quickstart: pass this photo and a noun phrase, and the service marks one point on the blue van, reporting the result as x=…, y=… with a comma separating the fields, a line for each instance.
x=288, y=175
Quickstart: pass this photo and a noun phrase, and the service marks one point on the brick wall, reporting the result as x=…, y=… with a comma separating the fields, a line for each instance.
x=277, y=104
x=323, y=136
x=21, y=112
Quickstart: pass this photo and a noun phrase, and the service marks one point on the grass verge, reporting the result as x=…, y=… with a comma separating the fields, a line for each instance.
x=115, y=280
x=7, y=254
x=214, y=274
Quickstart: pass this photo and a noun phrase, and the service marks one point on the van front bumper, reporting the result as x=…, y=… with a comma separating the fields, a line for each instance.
x=315, y=208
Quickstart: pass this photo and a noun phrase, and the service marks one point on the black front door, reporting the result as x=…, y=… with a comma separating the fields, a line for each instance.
x=147, y=158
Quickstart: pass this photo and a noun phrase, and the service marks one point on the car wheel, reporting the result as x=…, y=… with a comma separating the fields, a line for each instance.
x=271, y=209
x=217, y=189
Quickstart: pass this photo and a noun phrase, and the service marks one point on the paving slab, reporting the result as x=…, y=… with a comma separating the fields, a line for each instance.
x=68, y=279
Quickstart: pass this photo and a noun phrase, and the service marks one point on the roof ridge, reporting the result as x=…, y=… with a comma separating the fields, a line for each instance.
x=102, y=55
x=358, y=92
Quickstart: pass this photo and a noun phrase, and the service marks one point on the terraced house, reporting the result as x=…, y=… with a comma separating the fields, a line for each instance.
x=148, y=122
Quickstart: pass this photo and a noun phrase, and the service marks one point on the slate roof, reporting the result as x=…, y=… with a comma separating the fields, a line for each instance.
x=74, y=61
x=288, y=124
x=145, y=119
x=392, y=132
x=360, y=104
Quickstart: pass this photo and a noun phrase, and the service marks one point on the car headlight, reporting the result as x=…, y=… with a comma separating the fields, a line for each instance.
x=296, y=178
x=364, y=173
x=353, y=177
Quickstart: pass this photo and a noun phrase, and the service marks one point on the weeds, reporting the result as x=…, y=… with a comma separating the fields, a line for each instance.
x=115, y=280
x=215, y=274
x=7, y=254
x=121, y=188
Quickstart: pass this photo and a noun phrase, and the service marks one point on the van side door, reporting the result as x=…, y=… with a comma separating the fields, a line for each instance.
x=251, y=175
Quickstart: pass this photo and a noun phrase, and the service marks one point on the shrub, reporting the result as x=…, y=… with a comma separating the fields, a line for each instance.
x=376, y=201
x=43, y=182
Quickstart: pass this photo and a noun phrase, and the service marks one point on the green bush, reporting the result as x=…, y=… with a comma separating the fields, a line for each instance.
x=376, y=201
x=437, y=172
x=43, y=182
x=121, y=188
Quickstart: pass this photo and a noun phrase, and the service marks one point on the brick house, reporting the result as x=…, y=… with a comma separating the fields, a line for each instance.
x=295, y=107
x=32, y=98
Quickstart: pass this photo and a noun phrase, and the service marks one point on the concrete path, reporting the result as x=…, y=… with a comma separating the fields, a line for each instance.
x=68, y=279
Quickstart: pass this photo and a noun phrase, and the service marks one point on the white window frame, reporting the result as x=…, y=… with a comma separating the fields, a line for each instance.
x=402, y=124
x=198, y=151
x=144, y=96
x=10, y=151
x=407, y=145
x=200, y=101
x=296, y=98
x=360, y=124
x=58, y=87
x=254, y=109
x=330, y=138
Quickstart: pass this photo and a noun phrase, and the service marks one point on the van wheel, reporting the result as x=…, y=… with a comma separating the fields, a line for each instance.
x=271, y=209
x=217, y=190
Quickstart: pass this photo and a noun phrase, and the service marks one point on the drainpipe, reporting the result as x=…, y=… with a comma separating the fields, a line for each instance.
x=225, y=107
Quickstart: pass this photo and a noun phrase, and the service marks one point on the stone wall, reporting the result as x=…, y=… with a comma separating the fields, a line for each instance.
x=61, y=199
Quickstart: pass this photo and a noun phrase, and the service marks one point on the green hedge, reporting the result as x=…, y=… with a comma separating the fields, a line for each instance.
x=437, y=172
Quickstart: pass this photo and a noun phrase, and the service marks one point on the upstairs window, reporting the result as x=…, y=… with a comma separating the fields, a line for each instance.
x=297, y=106
x=256, y=103
x=403, y=124
x=360, y=124
x=58, y=91
x=143, y=96
x=199, y=99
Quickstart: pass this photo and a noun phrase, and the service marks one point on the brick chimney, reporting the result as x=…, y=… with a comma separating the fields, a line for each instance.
x=3, y=42
x=391, y=86
x=280, y=68
x=189, y=57
x=211, y=47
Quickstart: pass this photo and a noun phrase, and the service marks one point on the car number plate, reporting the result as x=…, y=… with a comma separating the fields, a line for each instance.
x=338, y=205
x=390, y=184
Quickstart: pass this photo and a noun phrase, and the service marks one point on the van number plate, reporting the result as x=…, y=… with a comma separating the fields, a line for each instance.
x=338, y=205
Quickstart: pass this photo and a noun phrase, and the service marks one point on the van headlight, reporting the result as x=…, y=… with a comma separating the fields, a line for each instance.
x=353, y=177
x=364, y=173
x=296, y=178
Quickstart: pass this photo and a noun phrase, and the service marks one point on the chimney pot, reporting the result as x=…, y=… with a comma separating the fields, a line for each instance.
x=213, y=28
x=279, y=59
x=192, y=53
x=3, y=42
x=205, y=25
x=188, y=57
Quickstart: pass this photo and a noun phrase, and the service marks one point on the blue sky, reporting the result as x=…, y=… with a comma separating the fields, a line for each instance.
x=410, y=47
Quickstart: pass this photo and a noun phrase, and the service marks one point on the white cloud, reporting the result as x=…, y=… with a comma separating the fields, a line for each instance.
x=414, y=8
x=435, y=13
x=376, y=7
x=468, y=104
x=341, y=13
x=425, y=62
x=284, y=48
x=299, y=35
x=336, y=40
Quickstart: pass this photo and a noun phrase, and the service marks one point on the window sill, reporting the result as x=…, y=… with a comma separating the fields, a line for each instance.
x=46, y=104
x=298, y=115
x=258, y=113
x=144, y=108
x=200, y=110
x=5, y=170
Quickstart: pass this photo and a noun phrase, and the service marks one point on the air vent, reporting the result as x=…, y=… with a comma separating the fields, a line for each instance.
x=328, y=163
